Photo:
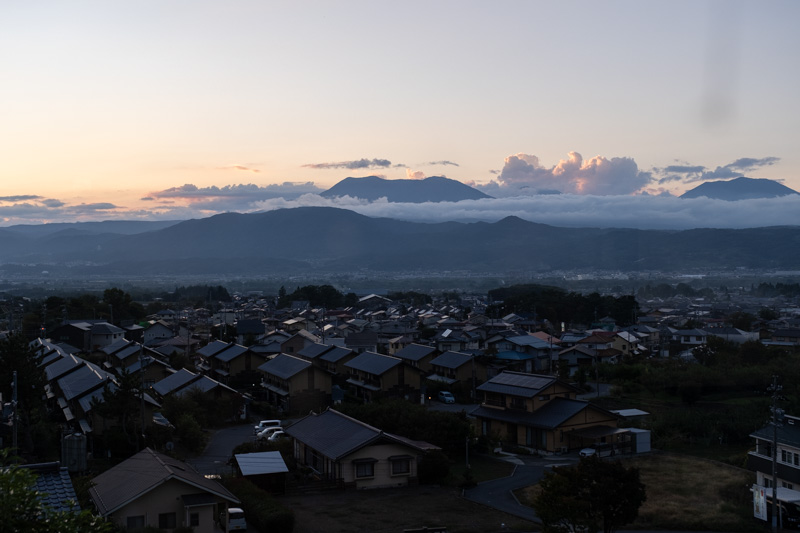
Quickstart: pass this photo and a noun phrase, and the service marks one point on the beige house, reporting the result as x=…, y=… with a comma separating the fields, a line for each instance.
x=151, y=489
x=295, y=385
x=541, y=412
x=354, y=454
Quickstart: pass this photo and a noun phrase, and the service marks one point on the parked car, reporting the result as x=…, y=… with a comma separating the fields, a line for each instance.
x=599, y=450
x=278, y=435
x=268, y=432
x=235, y=518
x=446, y=397
x=264, y=424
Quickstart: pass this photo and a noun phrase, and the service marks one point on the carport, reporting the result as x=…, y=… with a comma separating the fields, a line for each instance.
x=618, y=439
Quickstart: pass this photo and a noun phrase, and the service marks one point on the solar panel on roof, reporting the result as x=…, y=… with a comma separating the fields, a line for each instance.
x=520, y=380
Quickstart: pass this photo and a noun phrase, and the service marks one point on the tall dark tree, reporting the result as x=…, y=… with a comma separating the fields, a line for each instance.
x=16, y=355
x=594, y=495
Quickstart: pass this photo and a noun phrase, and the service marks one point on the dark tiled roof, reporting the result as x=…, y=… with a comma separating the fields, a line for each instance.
x=373, y=363
x=284, y=366
x=313, y=351
x=84, y=379
x=231, y=353
x=550, y=416
x=175, y=381
x=212, y=348
x=451, y=359
x=335, y=355
x=788, y=432
x=415, y=352
x=54, y=487
x=517, y=384
x=142, y=473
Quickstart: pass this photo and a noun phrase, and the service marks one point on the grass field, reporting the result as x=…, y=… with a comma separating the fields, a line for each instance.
x=689, y=493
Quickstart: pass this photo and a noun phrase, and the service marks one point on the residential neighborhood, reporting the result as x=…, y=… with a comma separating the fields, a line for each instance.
x=147, y=392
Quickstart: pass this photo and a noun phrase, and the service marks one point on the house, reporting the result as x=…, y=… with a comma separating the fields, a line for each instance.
x=295, y=385
x=334, y=360
x=153, y=490
x=787, y=450
x=157, y=331
x=87, y=335
x=418, y=356
x=452, y=368
x=183, y=381
x=787, y=336
x=541, y=412
x=353, y=454
x=373, y=376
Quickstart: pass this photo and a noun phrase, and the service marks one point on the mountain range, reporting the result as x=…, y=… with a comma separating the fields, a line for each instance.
x=432, y=189
x=331, y=240
x=739, y=189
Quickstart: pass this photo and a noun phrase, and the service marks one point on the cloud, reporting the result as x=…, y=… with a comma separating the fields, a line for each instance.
x=414, y=174
x=20, y=198
x=240, y=197
x=240, y=167
x=442, y=163
x=52, y=202
x=695, y=173
x=524, y=174
x=573, y=210
x=91, y=208
x=354, y=165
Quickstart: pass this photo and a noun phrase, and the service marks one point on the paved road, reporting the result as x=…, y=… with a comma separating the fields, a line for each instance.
x=499, y=494
x=214, y=459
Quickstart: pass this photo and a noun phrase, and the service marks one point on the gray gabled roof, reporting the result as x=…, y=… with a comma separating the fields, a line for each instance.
x=128, y=351
x=788, y=432
x=415, y=352
x=335, y=355
x=83, y=380
x=313, y=351
x=231, y=353
x=451, y=359
x=175, y=381
x=212, y=348
x=284, y=366
x=550, y=416
x=62, y=366
x=373, y=363
x=517, y=384
x=115, y=346
x=336, y=435
x=144, y=472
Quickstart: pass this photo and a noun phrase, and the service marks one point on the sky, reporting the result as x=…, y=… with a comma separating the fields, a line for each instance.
x=182, y=109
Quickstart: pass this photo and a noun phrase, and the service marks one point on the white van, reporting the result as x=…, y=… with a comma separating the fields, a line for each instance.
x=236, y=521
x=264, y=424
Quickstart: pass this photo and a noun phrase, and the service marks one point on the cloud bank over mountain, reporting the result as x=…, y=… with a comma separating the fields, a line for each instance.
x=572, y=210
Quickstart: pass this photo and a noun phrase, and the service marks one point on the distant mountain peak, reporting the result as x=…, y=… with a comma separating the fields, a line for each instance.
x=741, y=188
x=432, y=189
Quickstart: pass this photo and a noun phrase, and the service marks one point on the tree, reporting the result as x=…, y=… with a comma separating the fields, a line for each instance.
x=590, y=496
x=21, y=508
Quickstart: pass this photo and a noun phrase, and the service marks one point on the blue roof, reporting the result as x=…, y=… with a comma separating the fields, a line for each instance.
x=55, y=487
x=175, y=381
x=335, y=355
x=231, y=353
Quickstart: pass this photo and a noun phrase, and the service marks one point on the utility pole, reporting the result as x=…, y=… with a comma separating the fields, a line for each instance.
x=14, y=412
x=776, y=421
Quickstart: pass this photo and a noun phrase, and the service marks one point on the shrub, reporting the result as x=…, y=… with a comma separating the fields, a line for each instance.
x=263, y=512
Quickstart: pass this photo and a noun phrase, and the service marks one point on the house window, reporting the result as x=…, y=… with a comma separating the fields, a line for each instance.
x=135, y=522
x=767, y=483
x=167, y=521
x=365, y=469
x=194, y=519
x=796, y=459
x=787, y=485
x=401, y=466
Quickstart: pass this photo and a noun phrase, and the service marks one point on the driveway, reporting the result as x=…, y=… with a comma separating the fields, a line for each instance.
x=498, y=493
x=214, y=459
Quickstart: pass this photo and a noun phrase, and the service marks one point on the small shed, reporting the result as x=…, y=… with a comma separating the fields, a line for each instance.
x=265, y=469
